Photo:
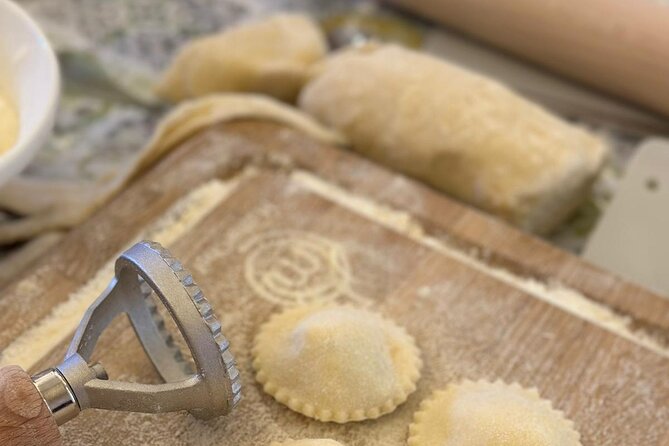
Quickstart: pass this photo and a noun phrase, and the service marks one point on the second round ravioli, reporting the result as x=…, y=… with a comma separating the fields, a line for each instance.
x=490, y=414
x=336, y=363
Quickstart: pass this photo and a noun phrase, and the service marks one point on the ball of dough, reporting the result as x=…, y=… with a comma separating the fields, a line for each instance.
x=270, y=57
x=309, y=442
x=484, y=413
x=336, y=363
x=463, y=133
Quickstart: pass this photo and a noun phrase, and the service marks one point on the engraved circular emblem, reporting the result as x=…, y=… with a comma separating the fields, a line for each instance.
x=293, y=267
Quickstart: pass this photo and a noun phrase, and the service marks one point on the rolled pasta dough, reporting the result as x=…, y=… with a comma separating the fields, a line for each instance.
x=463, y=133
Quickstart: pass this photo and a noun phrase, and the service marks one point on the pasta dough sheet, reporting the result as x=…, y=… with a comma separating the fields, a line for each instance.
x=47, y=205
x=463, y=133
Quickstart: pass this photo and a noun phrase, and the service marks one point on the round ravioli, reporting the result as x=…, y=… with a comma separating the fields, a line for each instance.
x=336, y=363
x=309, y=442
x=490, y=414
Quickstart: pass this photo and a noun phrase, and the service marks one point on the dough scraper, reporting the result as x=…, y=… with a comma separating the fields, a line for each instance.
x=632, y=239
x=32, y=408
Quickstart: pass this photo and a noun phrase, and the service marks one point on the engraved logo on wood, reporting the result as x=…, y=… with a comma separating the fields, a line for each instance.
x=294, y=267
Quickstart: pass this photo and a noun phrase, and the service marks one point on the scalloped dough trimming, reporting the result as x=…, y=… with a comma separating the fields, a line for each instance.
x=490, y=414
x=336, y=363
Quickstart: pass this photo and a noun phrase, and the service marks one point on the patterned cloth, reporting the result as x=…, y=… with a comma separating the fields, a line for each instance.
x=111, y=53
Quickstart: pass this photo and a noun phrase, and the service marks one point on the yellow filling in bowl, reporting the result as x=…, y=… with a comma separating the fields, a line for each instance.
x=9, y=124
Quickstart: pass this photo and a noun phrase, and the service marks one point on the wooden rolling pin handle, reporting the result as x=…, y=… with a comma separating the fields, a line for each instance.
x=25, y=419
x=619, y=46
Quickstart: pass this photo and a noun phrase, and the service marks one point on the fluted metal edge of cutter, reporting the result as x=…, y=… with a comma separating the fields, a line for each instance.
x=206, y=312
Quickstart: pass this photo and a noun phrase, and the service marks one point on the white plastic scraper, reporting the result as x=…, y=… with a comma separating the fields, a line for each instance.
x=632, y=238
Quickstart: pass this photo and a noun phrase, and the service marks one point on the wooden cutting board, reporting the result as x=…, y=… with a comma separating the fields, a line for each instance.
x=265, y=217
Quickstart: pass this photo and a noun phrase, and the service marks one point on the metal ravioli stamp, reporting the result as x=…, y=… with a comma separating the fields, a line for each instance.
x=207, y=387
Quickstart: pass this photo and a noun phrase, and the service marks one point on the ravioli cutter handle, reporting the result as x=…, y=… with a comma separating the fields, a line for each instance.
x=25, y=418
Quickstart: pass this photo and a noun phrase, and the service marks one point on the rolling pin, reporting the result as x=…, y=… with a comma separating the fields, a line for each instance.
x=618, y=46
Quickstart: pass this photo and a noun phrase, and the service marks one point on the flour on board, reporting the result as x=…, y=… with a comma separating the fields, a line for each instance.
x=558, y=295
x=33, y=344
x=303, y=267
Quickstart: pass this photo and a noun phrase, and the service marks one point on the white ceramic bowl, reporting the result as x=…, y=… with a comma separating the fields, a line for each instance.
x=30, y=79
